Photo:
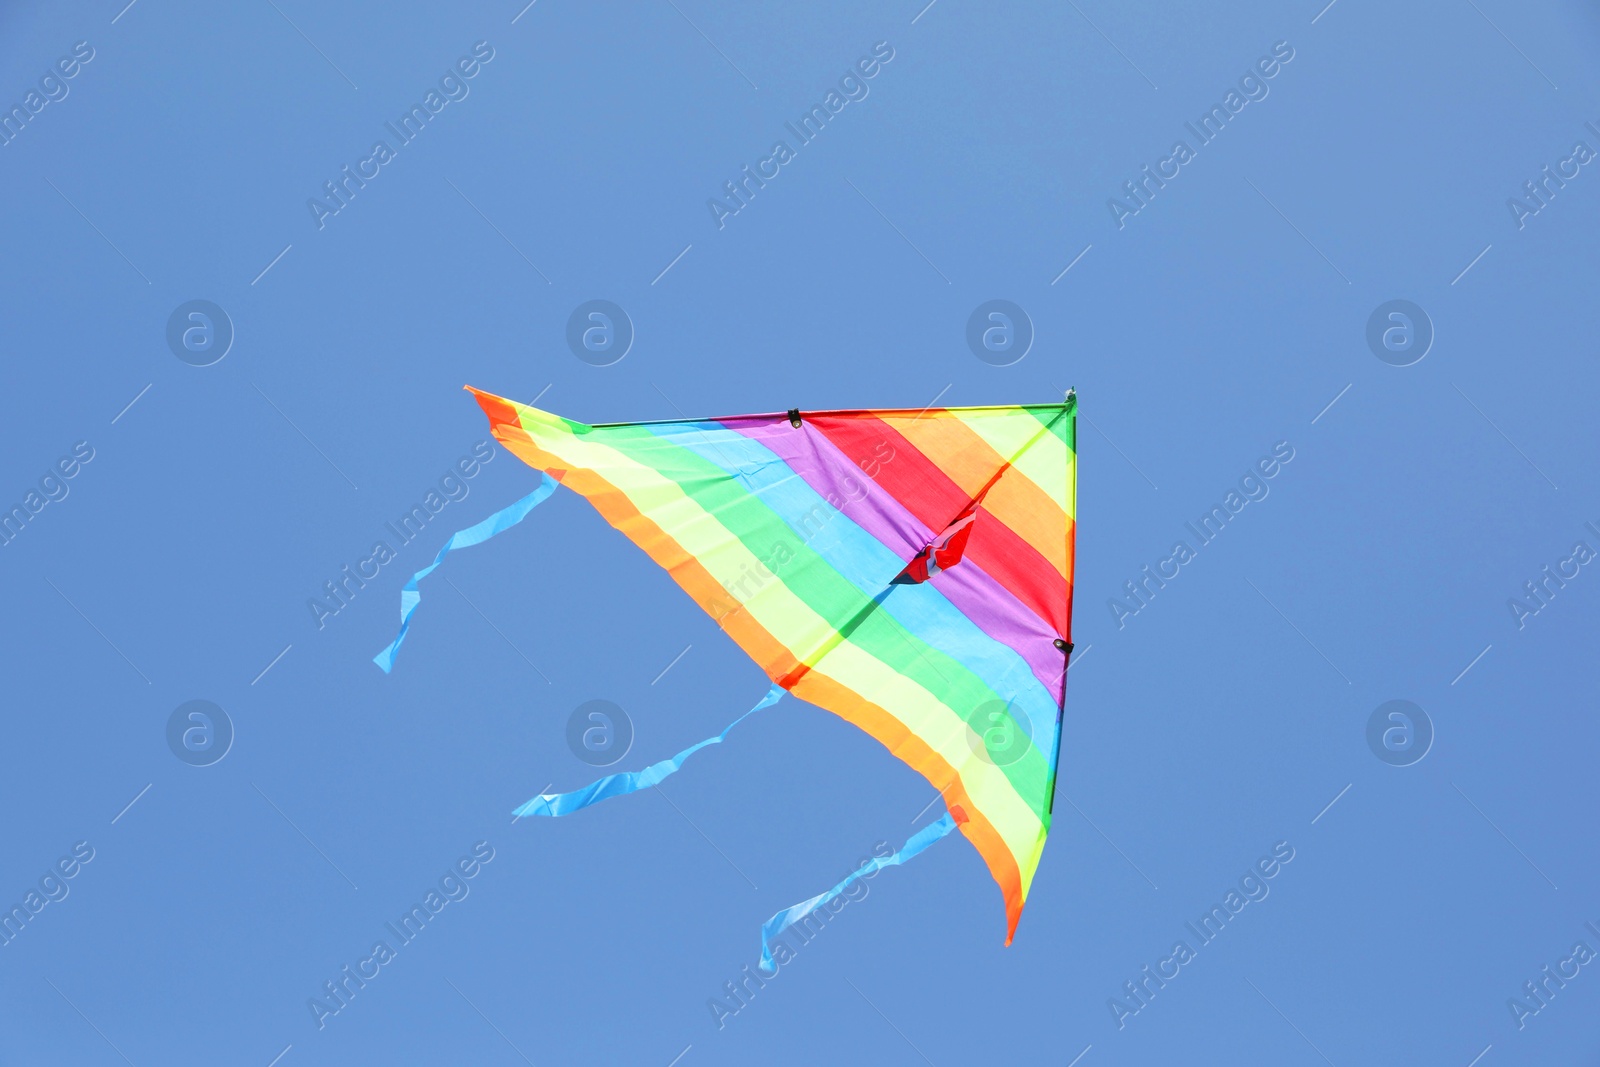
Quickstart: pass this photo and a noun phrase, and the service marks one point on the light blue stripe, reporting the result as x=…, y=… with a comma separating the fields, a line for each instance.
x=789, y=916
x=867, y=563
x=616, y=785
x=475, y=534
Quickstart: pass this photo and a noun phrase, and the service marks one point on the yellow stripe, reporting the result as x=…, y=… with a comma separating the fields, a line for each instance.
x=1045, y=462
x=946, y=733
x=1029, y=865
x=791, y=621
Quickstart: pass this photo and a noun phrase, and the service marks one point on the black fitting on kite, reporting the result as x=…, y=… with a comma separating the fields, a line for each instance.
x=1064, y=645
x=794, y=417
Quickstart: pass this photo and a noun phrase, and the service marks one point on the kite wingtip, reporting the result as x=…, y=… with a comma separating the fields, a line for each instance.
x=501, y=414
x=1013, y=919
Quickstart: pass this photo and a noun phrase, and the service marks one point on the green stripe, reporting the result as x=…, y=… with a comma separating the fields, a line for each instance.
x=1064, y=428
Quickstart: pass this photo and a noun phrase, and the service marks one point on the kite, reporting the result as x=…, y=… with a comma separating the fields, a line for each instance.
x=907, y=570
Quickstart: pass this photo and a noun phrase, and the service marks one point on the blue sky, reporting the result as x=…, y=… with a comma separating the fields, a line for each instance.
x=570, y=154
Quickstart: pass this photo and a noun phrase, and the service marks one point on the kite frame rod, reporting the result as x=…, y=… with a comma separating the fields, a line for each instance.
x=1070, y=400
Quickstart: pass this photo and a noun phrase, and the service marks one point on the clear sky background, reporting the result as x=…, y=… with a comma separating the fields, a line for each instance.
x=1223, y=718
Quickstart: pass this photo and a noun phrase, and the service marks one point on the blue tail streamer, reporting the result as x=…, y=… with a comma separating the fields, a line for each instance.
x=789, y=916
x=475, y=534
x=616, y=785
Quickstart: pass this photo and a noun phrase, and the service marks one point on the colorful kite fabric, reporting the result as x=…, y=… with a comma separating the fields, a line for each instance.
x=909, y=571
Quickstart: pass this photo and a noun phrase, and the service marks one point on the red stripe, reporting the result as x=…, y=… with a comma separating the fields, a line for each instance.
x=928, y=493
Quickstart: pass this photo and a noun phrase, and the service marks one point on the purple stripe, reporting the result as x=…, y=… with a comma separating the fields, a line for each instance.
x=993, y=608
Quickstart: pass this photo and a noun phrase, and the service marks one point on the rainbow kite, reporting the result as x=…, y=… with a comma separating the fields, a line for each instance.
x=909, y=571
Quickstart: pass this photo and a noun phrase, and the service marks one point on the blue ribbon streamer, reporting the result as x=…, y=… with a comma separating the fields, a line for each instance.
x=616, y=785
x=476, y=534
x=789, y=916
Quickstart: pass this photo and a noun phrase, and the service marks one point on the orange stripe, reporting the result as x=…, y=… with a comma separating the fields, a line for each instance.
x=821, y=690
x=970, y=461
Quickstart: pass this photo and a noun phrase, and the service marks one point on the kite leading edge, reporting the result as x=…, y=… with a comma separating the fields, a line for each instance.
x=907, y=570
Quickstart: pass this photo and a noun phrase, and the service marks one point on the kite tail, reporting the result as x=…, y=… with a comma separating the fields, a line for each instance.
x=476, y=534
x=789, y=916
x=616, y=785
